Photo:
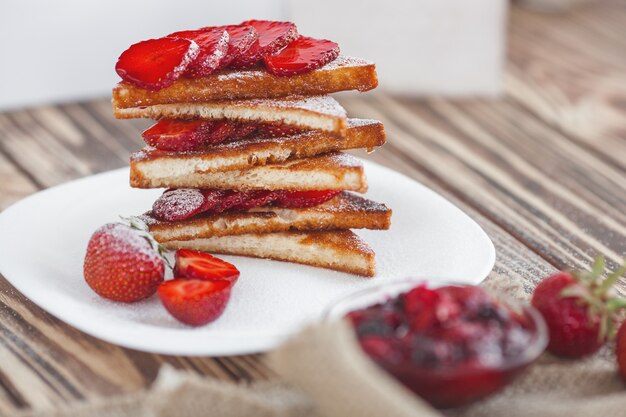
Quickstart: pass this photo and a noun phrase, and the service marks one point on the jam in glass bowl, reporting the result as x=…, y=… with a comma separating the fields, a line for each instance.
x=450, y=344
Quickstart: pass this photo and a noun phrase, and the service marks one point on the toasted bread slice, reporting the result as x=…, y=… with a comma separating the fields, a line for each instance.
x=344, y=73
x=315, y=112
x=340, y=250
x=332, y=171
x=247, y=153
x=346, y=211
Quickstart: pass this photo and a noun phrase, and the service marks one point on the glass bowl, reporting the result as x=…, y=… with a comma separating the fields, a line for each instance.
x=450, y=386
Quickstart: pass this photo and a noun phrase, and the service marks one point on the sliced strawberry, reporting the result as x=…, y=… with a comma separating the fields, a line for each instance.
x=221, y=131
x=243, y=131
x=242, y=37
x=272, y=37
x=201, y=265
x=212, y=198
x=226, y=130
x=302, y=55
x=156, y=63
x=258, y=199
x=177, y=135
x=231, y=199
x=193, y=301
x=213, y=44
x=277, y=130
x=302, y=199
x=179, y=204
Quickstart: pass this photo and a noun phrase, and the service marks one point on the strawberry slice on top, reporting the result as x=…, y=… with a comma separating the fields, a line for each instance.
x=213, y=44
x=242, y=37
x=156, y=63
x=178, y=135
x=302, y=55
x=272, y=37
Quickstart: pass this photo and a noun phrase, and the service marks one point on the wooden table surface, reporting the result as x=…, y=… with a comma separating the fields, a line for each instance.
x=542, y=169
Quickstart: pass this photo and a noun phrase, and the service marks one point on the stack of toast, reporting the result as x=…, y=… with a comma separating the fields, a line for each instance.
x=283, y=189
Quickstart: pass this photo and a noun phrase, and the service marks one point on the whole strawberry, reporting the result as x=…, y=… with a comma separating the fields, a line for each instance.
x=123, y=263
x=579, y=310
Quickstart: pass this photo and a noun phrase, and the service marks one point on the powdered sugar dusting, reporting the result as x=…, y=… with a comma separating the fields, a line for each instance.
x=119, y=238
x=344, y=61
x=319, y=104
x=178, y=204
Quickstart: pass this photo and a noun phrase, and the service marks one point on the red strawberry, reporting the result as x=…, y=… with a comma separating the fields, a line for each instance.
x=212, y=198
x=302, y=199
x=243, y=131
x=213, y=43
x=620, y=350
x=179, y=204
x=278, y=130
x=123, y=264
x=221, y=131
x=177, y=135
x=231, y=199
x=241, y=39
x=258, y=199
x=193, y=301
x=201, y=265
x=272, y=37
x=156, y=63
x=578, y=309
x=225, y=130
x=302, y=55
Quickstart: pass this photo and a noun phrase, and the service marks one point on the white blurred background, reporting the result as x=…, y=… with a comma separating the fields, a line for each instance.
x=56, y=51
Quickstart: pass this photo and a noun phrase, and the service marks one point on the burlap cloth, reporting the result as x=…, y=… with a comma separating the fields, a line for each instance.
x=324, y=373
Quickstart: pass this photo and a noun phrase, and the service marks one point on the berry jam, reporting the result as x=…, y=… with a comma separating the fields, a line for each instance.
x=451, y=345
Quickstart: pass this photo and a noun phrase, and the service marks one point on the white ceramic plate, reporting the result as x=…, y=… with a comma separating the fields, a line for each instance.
x=43, y=240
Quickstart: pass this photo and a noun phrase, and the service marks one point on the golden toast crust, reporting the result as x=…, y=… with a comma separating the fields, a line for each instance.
x=345, y=73
x=314, y=112
x=332, y=171
x=247, y=153
x=339, y=250
x=346, y=211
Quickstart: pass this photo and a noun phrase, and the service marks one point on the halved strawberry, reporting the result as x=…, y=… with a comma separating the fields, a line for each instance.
x=193, y=301
x=302, y=55
x=177, y=135
x=156, y=63
x=272, y=37
x=213, y=43
x=242, y=37
x=179, y=204
x=201, y=265
x=301, y=199
x=277, y=130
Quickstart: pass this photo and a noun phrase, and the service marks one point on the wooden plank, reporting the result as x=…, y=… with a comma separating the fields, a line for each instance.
x=14, y=184
x=572, y=73
x=513, y=171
